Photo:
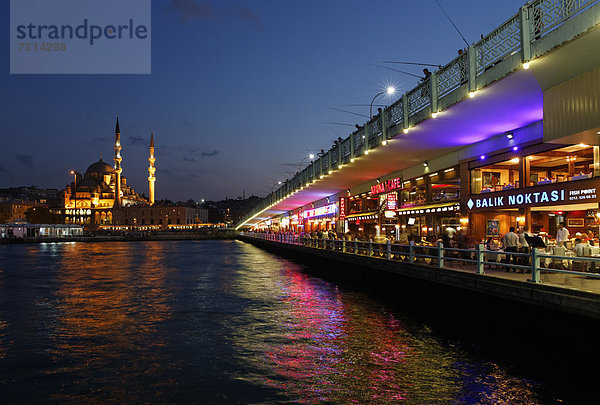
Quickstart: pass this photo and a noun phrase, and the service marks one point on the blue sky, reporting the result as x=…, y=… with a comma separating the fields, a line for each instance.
x=240, y=91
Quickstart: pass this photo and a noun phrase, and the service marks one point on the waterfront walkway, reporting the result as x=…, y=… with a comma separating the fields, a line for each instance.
x=559, y=288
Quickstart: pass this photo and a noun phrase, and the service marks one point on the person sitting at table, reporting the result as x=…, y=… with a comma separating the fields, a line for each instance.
x=510, y=242
x=590, y=236
x=581, y=247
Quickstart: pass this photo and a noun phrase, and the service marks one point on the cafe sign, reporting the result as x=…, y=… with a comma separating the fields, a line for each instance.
x=386, y=186
x=574, y=192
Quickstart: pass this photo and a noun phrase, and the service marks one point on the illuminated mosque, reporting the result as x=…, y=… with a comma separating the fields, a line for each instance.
x=92, y=198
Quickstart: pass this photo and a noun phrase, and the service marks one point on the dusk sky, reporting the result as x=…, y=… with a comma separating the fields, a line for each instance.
x=240, y=91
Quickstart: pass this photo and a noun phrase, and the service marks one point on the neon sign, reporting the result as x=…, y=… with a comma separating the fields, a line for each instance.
x=316, y=212
x=386, y=186
x=392, y=201
x=565, y=193
x=343, y=207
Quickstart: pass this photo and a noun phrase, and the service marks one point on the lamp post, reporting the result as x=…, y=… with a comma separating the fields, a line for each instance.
x=311, y=157
x=390, y=90
x=273, y=186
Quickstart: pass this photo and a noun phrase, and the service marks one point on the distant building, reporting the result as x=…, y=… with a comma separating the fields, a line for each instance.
x=159, y=216
x=43, y=195
x=93, y=198
x=15, y=209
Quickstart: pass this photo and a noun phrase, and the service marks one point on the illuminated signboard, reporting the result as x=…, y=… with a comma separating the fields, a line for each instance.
x=343, y=201
x=392, y=201
x=316, y=212
x=386, y=186
x=574, y=192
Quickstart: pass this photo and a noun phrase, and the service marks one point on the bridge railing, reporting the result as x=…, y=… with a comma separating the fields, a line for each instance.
x=518, y=34
x=537, y=262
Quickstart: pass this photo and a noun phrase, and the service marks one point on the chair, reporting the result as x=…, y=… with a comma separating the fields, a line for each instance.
x=582, y=265
x=558, y=251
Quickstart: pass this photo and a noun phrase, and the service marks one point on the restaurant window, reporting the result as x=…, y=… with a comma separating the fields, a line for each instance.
x=358, y=204
x=573, y=162
x=355, y=205
x=414, y=193
x=496, y=177
x=444, y=189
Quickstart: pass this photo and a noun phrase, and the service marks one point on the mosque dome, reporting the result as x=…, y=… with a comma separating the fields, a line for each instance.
x=100, y=167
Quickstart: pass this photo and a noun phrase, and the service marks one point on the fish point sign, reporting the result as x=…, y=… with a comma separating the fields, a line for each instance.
x=573, y=192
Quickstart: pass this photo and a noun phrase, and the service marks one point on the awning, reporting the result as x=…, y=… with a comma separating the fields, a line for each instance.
x=430, y=208
x=363, y=215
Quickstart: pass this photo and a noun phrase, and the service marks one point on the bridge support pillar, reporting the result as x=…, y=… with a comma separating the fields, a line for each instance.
x=472, y=68
x=525, y=34
x=405, y=122
x=434, y=92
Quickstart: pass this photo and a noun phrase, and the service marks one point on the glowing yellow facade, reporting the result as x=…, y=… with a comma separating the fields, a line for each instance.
x=91, y=198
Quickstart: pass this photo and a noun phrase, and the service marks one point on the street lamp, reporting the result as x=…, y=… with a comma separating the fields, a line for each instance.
x=272, y=187
x=390, y=90
x=311, y=157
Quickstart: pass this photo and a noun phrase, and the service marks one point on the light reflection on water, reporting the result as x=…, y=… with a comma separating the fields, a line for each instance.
x=216, y=322
x=319, y=344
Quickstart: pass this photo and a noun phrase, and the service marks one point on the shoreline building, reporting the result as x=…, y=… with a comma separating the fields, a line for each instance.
x=92, y=198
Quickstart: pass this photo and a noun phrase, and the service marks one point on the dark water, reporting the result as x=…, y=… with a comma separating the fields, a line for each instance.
x=220, y=322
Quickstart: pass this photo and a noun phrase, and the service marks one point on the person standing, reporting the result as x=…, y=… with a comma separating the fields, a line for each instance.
x=562, y=235
x=524, y=245
x=510, y=242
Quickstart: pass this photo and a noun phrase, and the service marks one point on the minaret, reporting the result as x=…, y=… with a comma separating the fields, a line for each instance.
x=118, y=168
x=151, y=170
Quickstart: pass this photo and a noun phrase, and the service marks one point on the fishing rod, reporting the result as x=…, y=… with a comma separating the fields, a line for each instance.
x=332, y=130
x=349, y=112
x=414, y=63
x=397, y=70
x=337, y=123
x=451, y=22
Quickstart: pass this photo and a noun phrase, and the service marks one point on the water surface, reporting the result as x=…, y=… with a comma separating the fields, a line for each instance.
x=219, y=322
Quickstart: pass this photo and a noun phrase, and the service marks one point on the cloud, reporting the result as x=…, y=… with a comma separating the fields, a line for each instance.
x=136, y=140
x=188, y=159
x=190, y=9
x=25, y=160
x=102, y=140
x=248, y=15
x=90, y=103
x=213, y=153
x=195, y=10
x=166, y=172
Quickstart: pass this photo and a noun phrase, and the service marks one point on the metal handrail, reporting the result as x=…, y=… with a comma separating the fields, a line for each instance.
x=395, y=251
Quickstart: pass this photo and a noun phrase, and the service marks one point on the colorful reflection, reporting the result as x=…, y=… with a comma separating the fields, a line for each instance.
x=319, y=344
x=111, y=300
x=215, y=322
